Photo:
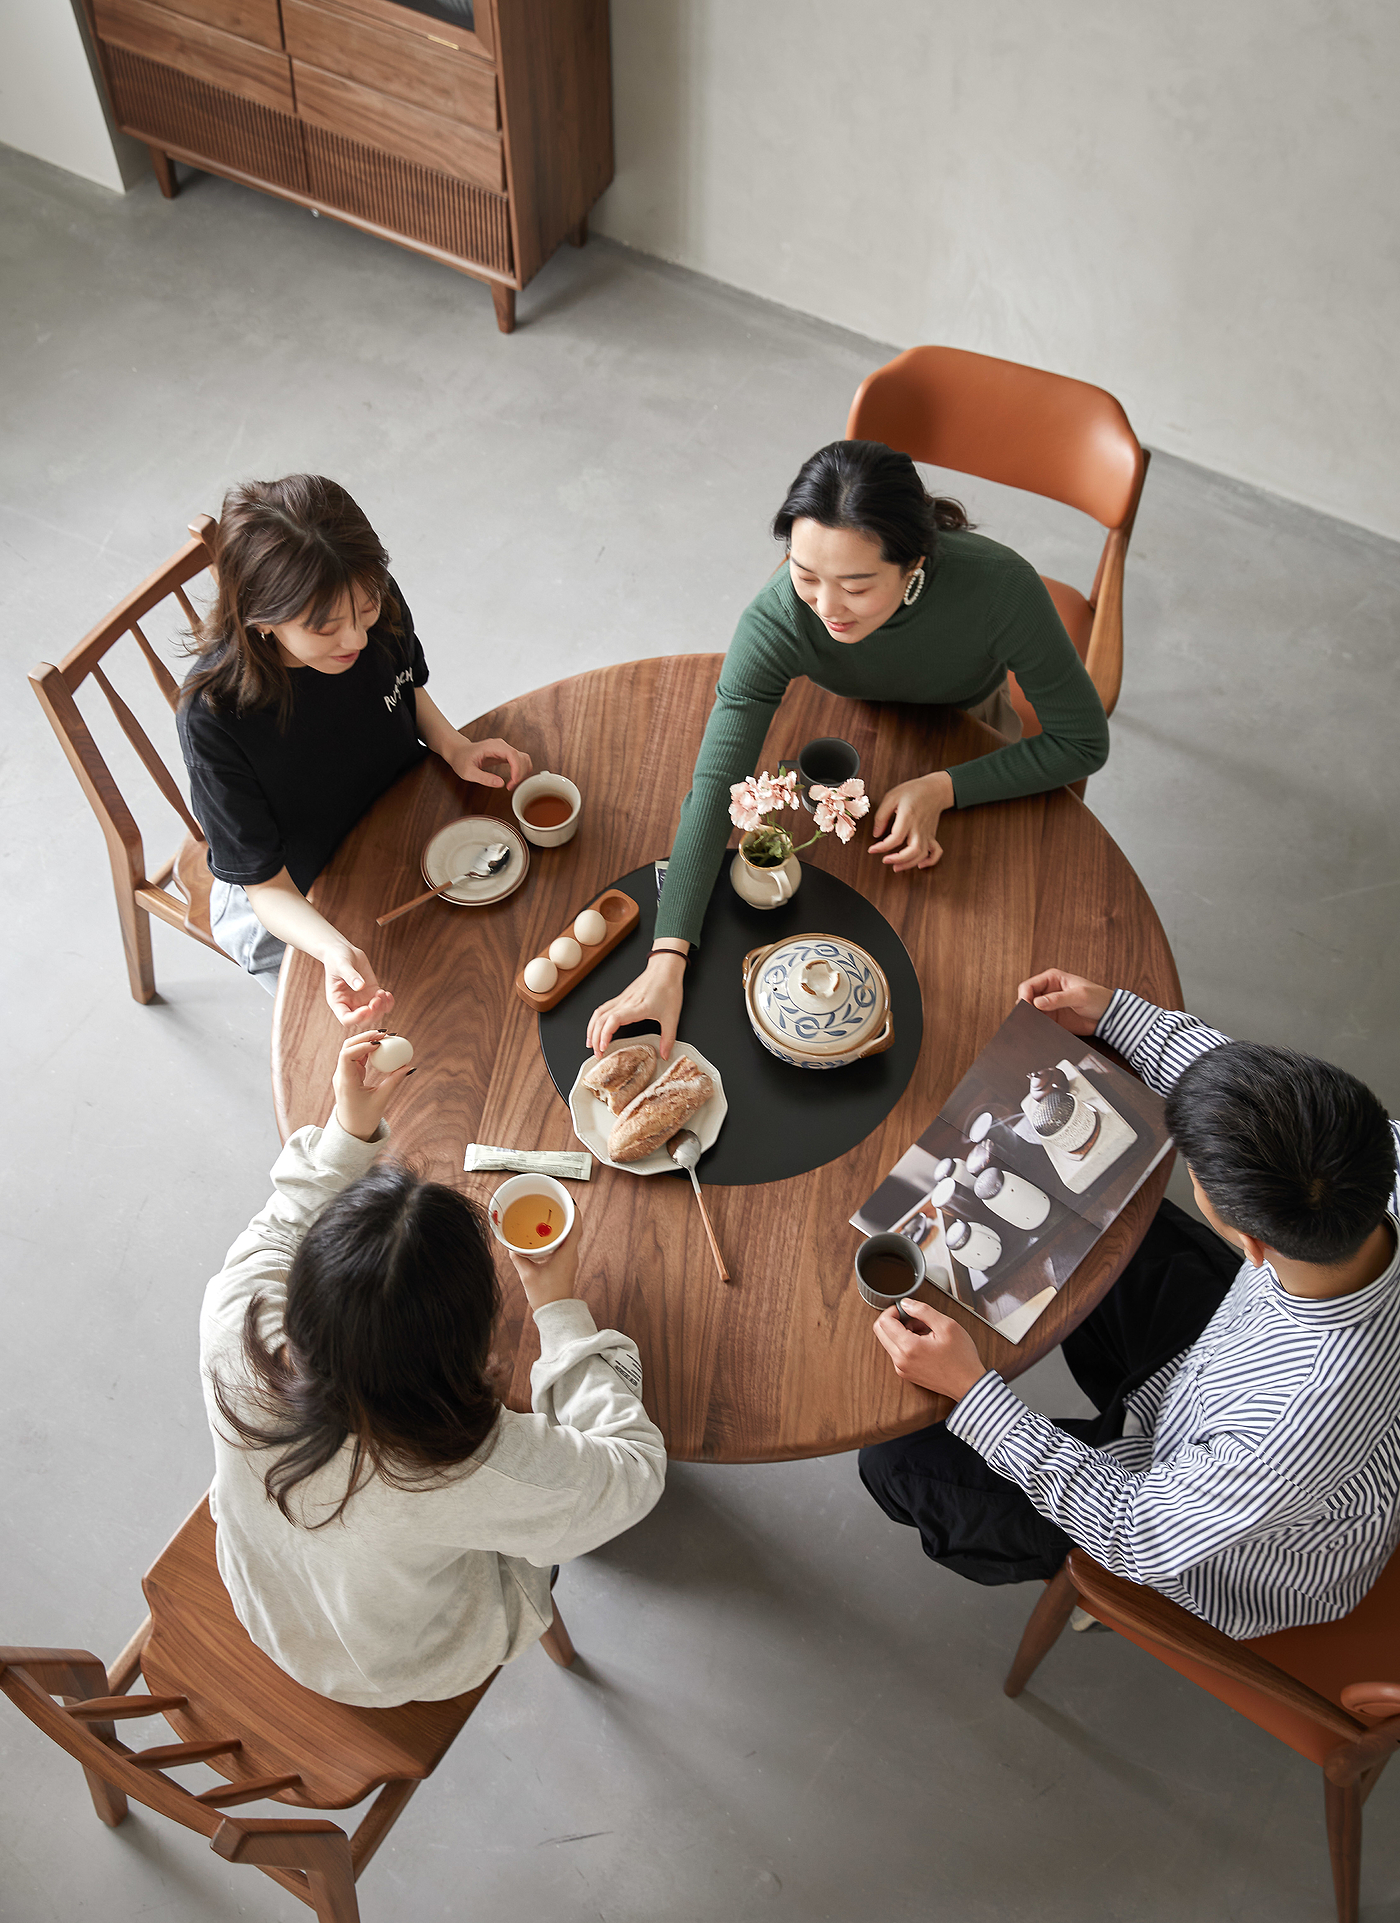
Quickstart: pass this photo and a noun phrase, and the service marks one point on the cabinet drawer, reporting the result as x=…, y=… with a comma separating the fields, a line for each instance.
x=238, y=66
x=411, y=67
x=378, y=120
x=249, y=19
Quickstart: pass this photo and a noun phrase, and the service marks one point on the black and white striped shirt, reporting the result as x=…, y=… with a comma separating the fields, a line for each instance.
x=1258, y=1479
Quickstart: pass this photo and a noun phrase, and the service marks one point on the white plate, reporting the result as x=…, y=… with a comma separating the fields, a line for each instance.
x=593, y=1119
x=459, y=845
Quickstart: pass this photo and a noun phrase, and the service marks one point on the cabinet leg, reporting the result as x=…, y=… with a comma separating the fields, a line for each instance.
x=164, y=172
x=503, y=299
x=578, y=236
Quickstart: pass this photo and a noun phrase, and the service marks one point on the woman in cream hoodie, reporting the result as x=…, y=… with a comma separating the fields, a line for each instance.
x=385, y=1528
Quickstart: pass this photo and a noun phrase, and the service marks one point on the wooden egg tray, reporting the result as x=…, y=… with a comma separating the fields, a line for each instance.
x=621, y=914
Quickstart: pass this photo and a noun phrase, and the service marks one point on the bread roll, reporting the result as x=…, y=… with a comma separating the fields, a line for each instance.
x=621, y=1075
x=652, y=1118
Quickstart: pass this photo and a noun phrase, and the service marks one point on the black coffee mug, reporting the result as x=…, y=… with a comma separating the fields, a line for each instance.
x=828, y=761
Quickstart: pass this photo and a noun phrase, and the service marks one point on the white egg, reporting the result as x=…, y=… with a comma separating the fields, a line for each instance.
x=565, y=951
x=540, y=975
x=590, y=928
x=396, y=1052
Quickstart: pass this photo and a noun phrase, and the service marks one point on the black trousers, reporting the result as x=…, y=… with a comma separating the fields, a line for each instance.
x=976, y=1522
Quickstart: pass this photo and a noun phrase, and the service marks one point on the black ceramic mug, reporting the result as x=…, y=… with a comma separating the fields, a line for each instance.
x=828, y=761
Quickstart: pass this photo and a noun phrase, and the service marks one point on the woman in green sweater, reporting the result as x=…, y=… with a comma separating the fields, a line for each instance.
x=887, y=595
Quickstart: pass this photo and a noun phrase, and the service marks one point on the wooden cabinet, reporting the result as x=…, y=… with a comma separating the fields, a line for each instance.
x=475, y=131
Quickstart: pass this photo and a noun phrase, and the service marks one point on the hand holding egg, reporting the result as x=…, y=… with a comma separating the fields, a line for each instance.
x=395, y=1051
x=361, y=1090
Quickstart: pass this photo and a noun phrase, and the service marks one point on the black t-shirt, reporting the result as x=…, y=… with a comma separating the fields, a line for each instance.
x=269, y=798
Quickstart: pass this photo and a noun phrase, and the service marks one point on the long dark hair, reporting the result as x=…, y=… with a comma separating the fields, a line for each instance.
x=866, y=486
x=391, y=1297
x=285, y=550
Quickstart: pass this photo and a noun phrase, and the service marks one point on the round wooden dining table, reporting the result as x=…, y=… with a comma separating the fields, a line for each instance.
x=781, y=1362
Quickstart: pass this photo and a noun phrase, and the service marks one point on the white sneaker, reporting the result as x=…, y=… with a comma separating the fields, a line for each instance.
x=1082, y=1620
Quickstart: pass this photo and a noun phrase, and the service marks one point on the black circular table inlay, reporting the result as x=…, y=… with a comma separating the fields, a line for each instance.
x=782, y=1121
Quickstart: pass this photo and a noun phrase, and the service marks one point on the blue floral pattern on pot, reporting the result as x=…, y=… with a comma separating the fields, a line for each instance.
x=823, y=997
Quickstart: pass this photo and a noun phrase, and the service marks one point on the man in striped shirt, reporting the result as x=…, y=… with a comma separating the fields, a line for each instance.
x=1253, y=1477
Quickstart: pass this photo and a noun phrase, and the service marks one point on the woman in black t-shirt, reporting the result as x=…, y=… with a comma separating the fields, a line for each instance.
x=306, y=703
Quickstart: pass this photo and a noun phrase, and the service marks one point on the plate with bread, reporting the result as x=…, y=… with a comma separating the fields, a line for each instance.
x=629, y=1103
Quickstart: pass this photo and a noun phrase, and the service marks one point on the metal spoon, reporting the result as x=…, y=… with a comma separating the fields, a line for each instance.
x=684, y=1150
x=490, y=862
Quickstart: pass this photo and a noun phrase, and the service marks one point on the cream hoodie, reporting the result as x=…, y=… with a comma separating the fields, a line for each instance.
x=417, y=1594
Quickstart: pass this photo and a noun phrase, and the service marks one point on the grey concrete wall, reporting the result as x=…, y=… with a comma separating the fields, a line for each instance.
x=1188, y=203
x=51, y=105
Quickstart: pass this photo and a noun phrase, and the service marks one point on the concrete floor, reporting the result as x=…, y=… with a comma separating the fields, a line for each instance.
x=785, y=1710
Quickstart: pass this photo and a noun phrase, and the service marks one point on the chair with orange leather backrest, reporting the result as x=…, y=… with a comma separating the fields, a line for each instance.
x=1023, y=428
x=1306, y=1686
x=139, y=896
x=234, y=1710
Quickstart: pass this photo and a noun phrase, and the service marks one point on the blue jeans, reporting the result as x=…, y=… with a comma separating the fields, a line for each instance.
x=240, y=934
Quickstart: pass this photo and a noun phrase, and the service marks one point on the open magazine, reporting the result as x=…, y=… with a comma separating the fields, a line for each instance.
x=1039, y=1147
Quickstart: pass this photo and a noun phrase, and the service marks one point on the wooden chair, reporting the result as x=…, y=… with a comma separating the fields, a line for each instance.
x=236, y=1711
x=1028, y=429
x=1299, y=1684
x=139, y=896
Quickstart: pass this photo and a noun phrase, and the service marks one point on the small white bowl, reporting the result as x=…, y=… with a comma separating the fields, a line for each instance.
x=530, y=1185
x=545, y=783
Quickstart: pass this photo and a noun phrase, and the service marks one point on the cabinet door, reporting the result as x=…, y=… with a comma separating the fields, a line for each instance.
x=410, y=67
x=378, y=120
x=238, y=66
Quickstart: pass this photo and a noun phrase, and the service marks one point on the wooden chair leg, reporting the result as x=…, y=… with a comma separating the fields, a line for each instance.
x=379, y=1819
x=1344, y=1841
x=164, y=170
x=503, y=298
x=557, y=1643
x=1042, y=1632
x=136, y=940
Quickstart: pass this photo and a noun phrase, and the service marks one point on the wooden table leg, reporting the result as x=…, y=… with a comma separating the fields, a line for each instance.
x=504, y=300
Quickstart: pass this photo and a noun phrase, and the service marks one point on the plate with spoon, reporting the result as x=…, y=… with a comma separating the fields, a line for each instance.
x=464, y=862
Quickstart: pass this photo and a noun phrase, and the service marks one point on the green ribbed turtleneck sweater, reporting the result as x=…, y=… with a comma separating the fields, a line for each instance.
x=983, y=610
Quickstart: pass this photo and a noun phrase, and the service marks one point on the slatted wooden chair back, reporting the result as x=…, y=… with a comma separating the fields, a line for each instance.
x=139, y=894
x=235, y=1711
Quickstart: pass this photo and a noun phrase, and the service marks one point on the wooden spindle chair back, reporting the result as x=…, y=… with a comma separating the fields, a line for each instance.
x=235, y=1711
x=139, y=895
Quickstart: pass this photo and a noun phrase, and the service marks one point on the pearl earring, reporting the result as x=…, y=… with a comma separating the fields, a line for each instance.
x=915, y=587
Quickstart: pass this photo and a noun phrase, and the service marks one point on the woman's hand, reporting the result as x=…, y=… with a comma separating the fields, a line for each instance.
x=465, y=758
x=354, y=996
x=908, y=819
x=360, y=1090
x=942, y=1357
x=656, y=996
x=551, y=1281
x=1074, y=1003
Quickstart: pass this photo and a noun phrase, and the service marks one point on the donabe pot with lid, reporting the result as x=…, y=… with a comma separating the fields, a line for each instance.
x=818, y=1001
